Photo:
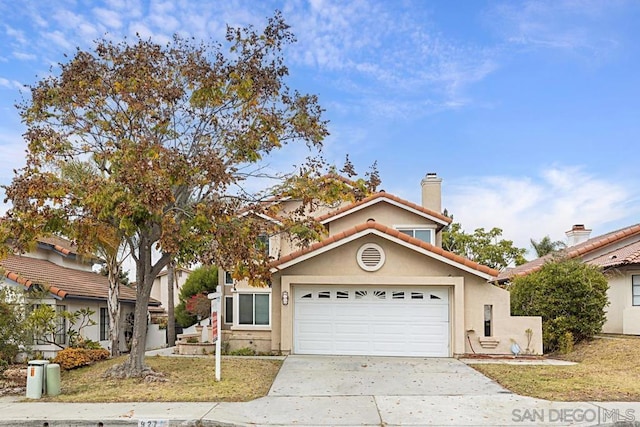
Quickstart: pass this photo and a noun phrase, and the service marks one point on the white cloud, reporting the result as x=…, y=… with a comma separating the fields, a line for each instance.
x=24, y=56
x=109, y=18
x=18, y=35
x=533, y=207
x=10, y=84
x=568, y=25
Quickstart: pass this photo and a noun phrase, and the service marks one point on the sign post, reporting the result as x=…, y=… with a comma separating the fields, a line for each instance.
x=216, y=325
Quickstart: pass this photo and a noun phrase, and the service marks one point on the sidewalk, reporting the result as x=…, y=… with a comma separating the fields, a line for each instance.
x=504, y=410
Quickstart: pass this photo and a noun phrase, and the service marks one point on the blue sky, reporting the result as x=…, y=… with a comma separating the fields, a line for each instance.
x=528, y=110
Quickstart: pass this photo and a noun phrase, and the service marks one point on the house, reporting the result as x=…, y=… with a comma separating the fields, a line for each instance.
x=618, y=254
x=379, y=283
x=159, y=290
x=55, y=265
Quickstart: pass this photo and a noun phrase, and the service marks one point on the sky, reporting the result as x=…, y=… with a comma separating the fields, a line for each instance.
x=528, y=110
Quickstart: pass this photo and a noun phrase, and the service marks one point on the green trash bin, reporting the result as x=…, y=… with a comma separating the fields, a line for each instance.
x=52, y=378
x=36, y=381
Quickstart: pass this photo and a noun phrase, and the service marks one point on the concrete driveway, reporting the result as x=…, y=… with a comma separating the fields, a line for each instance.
x=379, y=376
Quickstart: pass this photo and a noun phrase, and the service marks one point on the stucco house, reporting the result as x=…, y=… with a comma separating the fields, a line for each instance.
x=56, y=266
x=379, y=283
x=618, y=254
x=160, y=288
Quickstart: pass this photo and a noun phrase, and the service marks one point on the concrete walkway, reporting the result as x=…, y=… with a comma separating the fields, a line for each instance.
x=343, y=391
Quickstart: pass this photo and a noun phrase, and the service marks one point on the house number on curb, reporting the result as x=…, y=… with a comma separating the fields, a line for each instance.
x=153, y=423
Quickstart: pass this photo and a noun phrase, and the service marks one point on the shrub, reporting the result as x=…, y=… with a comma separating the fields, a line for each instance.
x=245, y=351
x=569, y=296
x=565, y=343
x=71, y=358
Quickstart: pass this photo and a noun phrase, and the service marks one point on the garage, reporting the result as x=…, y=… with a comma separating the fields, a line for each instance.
x=367, y=320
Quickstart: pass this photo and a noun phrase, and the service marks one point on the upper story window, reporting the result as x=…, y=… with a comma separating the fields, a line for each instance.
x=635, y=289
x=228, y=279
x=262, y=244
x=426, y=234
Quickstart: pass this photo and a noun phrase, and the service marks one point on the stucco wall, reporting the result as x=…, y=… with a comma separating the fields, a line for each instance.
x=381, y=212
x=622, y=316
x=160, y=291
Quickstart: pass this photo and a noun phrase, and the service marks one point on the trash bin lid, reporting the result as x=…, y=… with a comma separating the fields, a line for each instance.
x=38, y=362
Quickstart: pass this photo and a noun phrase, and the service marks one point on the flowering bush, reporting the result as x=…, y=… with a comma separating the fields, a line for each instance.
x=199, y=305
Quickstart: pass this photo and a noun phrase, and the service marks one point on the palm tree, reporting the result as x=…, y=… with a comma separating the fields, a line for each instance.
x=546, y=246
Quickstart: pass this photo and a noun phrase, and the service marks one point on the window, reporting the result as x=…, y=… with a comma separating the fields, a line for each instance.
x=263, y=244
x=635, y=289
x=228, y=309
x=104, y=324
x=420, y=233
x=488, y=314
x=61, y=326
x=228, y=280
x=253, y=309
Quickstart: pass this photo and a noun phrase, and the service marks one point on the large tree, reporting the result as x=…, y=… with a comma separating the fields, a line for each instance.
x=485, y=247
x=174, y=131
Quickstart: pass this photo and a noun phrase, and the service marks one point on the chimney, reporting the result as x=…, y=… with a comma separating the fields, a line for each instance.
x=431, y=192
x=577, y=235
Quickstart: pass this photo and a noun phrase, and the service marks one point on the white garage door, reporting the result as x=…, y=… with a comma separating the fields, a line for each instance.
x=380, y=321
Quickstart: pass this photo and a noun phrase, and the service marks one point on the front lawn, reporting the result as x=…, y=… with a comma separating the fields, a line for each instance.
x=189, y=379
x=608, y=370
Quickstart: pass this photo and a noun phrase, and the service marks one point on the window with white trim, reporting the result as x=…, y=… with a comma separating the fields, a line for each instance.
x=426, y=234
x=635, y=289
x=253, y=309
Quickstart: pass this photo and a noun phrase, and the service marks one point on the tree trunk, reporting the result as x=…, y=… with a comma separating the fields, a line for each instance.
x=113, y=305
x=171, y=316
x=146, y=272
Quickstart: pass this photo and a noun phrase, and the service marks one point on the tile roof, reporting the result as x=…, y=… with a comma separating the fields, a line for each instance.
x=629, y=254
x=64, y=246
x=372, y=225
x=579, y=250
x=381, y=196
x=61, y=281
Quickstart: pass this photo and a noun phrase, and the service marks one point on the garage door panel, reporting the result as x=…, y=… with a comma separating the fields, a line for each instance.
x=371, y=321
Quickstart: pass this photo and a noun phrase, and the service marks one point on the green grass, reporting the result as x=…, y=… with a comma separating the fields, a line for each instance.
x=607, y=370
x=188, y=379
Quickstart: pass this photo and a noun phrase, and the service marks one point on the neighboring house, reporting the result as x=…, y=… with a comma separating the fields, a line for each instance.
x=56, y=266
x=378, y=284
x=160, y=291
x=618, y=254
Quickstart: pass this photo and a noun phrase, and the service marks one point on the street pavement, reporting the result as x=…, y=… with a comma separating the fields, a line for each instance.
x=343, y=391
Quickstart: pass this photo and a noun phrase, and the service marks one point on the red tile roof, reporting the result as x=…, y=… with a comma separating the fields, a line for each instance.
x=629, y=254
x=372, y=225
x=579, y=250
x=61, y=281
x=60, y=244
x=383, y=195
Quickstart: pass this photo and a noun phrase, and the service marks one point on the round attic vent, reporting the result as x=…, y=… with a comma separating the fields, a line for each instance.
x=370, y=257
